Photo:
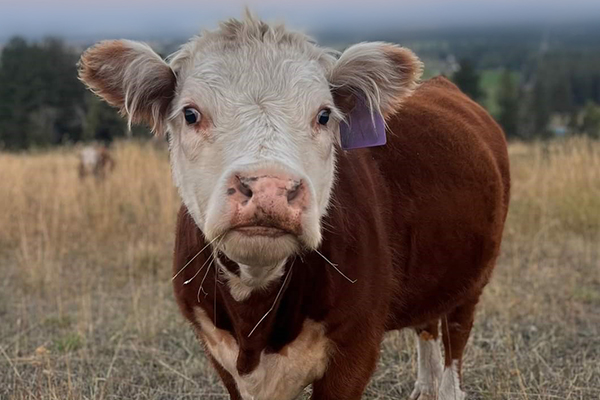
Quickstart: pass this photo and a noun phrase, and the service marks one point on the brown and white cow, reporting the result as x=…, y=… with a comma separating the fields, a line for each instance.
x=294, y=256
x=95, y=160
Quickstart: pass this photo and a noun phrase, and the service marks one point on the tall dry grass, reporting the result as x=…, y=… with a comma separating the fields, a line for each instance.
x=556, y=187
x=87, y=311
x=50, y=218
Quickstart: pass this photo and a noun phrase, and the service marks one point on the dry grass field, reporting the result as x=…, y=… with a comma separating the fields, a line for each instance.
x=87, y=311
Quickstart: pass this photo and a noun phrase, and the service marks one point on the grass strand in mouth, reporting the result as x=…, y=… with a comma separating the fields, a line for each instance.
x=212, y=256
x=335, y=267
x=281, y=289
x=193, y=258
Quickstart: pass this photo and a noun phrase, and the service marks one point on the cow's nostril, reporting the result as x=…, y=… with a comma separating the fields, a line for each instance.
x=243, y=187
x=294, y=192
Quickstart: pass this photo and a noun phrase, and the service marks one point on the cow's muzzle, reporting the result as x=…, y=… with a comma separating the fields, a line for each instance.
x=267, y=203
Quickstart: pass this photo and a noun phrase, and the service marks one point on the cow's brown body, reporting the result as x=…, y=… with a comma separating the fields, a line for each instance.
x=417, y=223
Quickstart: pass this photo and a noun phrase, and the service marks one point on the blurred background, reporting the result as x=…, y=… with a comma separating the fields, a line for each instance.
x=86, y=304
x=534, y=64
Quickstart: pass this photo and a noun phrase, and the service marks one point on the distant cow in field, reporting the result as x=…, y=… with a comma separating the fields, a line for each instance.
x=302, y=237
x=96, y=161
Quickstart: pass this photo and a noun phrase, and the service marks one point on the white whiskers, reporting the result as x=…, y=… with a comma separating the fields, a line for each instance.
x=215, y=296
x=211, y=257
x=335, y=267
x=274, y=302
x=193, y=258
x=201, y=289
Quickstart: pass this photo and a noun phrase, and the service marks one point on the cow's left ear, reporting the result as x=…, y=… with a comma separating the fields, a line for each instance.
x=382, y=73
x=132, y=77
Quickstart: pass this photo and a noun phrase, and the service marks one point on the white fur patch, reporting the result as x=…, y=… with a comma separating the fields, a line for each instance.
x=90, y=157
x=250, y=278
x=261, y=121
x=237, y=288
x=450, y=387
x=279, y=376
x=430, y=369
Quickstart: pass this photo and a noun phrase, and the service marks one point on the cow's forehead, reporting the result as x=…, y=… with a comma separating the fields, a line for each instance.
x=230, y=83
x=255, y=75
x=249, y=62
x=241, y=44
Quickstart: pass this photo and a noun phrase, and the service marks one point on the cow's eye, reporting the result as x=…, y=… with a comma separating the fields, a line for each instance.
x=192, y=116
x=323, y=116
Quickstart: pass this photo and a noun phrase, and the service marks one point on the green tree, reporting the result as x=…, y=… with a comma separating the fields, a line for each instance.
x=467, y=79
x=102, y=122
x=573, y=124
x=14, y=98
x=508, y=101
x=591, y=120
x=41, y=100
x=540, y=108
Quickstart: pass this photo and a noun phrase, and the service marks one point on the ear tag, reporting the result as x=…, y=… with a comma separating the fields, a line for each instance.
x=362, y=129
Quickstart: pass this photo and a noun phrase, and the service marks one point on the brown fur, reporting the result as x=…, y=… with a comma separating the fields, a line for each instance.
x=417, y=222
x=116, y=69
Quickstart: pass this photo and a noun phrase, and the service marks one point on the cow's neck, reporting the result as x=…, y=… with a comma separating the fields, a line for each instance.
x=201, y=288
x=243, y=279
x=267, y=319
x=313, y=281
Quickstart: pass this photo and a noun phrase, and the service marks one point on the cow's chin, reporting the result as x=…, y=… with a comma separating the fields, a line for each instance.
x=259, y=246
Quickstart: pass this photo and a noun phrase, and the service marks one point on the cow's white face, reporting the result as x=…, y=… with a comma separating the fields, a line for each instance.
x=264, y=121
x=253, y=113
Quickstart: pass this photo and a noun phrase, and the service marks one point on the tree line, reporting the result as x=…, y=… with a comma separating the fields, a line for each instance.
x=540, y=94
x=558, y=93
x=42, y=102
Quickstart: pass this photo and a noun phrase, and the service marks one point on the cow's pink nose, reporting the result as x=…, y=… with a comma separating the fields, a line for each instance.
x=269, y=187
x=266, y=195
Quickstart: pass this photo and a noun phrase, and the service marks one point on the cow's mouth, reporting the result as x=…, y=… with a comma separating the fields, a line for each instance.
x=257, y=230
x=263, y=228
x=260, y=243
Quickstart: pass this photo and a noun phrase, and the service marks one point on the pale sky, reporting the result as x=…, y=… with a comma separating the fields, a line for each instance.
x=152, y=18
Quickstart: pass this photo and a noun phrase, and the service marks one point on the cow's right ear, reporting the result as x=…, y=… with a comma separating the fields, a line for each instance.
x=132, y=77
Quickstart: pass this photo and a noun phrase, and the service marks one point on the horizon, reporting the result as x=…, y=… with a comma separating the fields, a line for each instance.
x=73, y=20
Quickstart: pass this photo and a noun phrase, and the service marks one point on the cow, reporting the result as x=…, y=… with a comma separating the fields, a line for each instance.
x=302, y=237
x=95, y=160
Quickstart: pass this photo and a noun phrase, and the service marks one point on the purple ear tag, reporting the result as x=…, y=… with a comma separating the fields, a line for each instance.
x=362, y=128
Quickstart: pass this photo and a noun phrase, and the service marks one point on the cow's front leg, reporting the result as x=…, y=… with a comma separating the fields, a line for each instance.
x=349, y=371
x=430, y=363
